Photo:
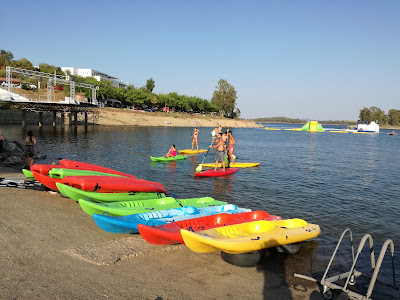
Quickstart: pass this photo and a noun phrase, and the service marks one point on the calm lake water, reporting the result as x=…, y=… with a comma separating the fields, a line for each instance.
x=335, y=180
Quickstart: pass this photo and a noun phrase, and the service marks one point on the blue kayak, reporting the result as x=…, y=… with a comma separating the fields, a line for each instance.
x=128, y=224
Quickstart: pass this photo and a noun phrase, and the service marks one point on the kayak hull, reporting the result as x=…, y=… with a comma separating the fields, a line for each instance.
x=235, y=165
x=46, y=180
x=73, y=164
x=218, y=172
x=28, y=174
x=167, y=159
x=190, y=151
x=109, y=184
x=129, y=223
x=61, y=173
x=77, y=194
x=125, y=208
x=171, y=233
x=251, y=236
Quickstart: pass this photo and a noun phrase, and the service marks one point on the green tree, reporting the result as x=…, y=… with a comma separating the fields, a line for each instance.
x=224, y=98
x=378, y=115
x=150, y=85
x=373, y=114
x=22, y=63
x=394, y=117
x=5, y=58
x=365, y=115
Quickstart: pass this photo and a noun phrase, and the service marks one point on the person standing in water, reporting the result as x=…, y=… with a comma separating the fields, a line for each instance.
x=30, y=143
x=2, y=138
x=219, y=154
x=195, y=140
x=231, y=148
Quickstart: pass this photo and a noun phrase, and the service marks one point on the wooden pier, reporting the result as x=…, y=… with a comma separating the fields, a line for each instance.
x=68, y=112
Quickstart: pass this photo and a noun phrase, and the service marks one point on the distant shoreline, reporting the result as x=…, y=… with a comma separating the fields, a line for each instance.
x=390, y=127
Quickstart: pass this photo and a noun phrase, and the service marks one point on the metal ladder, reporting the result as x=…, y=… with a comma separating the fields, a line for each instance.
x=351, y=276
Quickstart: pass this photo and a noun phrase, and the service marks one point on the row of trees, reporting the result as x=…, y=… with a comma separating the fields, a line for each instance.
x=376, y=114
x=223, y=100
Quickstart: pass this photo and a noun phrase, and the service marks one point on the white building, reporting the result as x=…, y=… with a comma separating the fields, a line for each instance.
x=115, y=82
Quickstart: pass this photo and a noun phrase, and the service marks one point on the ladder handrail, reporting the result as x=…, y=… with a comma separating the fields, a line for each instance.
x=336, y=249
x=360, y=248
x=379, y=263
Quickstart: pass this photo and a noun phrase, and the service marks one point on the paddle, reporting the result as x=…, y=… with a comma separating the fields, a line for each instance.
x=199, y=168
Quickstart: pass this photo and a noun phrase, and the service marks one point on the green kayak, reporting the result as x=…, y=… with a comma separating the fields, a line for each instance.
x=61, y=173
x=77, y=194
x=166, y=159
x=136, y=207
x=28, y=174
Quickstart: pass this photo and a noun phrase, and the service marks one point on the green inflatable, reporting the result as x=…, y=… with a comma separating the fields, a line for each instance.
x=312, y=126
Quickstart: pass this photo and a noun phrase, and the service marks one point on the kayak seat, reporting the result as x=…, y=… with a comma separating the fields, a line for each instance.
x=190, y=223
x=151, y=215
x=132, y=203
x=228, y=231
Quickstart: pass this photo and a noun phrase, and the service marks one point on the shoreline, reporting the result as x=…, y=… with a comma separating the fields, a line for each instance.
x=117, y=116
x=51, y=249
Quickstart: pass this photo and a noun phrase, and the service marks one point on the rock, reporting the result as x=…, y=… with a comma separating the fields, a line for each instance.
x=3, y=156
x=13, y=160
x=9, y=146
x=40, y=156
x=20, y=145
x=13, y=147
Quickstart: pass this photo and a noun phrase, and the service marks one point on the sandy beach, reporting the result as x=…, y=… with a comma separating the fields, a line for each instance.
x=118, y=116
x=51, y=249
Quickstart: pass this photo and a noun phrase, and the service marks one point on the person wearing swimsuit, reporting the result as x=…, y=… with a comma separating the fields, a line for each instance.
x=30, y=143
x=219, y=154
x=194, y=140
x=231, y=148
x=171, y=152
x=2, y=138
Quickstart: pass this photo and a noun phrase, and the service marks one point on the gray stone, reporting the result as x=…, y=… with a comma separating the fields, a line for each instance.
x=13, y=160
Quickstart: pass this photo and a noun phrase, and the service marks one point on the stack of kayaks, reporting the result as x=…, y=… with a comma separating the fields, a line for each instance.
x=122, y=203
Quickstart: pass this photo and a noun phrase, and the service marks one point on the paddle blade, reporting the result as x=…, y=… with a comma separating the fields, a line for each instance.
x=198, y=169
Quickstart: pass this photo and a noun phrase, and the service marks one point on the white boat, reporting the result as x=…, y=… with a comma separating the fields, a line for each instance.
x=364, y=126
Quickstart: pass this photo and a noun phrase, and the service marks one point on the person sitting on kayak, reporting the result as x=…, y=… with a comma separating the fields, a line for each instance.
x=171, y=152
x=231, y=148
x=219, y=154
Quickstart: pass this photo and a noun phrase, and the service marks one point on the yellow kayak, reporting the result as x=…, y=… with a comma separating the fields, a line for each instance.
x=190, y=151
x=235, y=165
x=266, y=128
x=251, y=236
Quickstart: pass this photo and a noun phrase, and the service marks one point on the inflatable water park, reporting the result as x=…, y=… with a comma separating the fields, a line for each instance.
x=362, y=127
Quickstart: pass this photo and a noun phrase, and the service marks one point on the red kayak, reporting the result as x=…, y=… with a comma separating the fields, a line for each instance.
x=73, y=164
x=44, y=169
x=46, y=180
x=171, y=233
x=219, y=172
x=108, y=184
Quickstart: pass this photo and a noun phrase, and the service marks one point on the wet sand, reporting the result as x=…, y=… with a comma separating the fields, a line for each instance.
x=51, y=249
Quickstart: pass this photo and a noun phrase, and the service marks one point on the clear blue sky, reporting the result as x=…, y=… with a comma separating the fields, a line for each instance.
x=302, y=59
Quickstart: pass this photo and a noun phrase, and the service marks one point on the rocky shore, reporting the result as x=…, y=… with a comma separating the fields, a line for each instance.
x=13, y=154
